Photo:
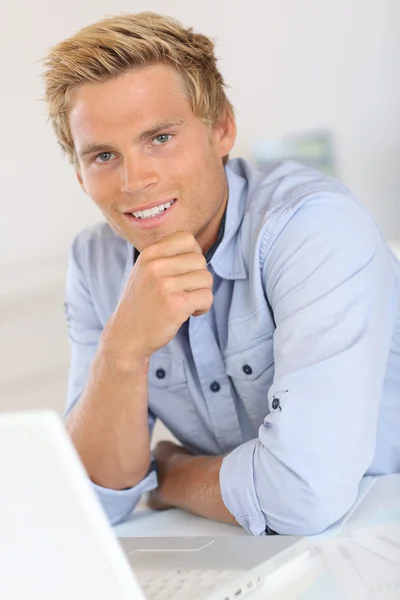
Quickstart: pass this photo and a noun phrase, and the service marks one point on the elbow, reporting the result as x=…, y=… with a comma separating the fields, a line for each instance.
x=314, y=521
x=311, y=515
x=116, y=519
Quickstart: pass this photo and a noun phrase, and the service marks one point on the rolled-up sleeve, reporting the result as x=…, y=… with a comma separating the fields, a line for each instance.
x=118, y=504
x=84, y=332
x=328, y=279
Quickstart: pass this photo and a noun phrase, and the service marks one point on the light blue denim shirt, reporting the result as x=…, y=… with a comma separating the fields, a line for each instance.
x=294, y=373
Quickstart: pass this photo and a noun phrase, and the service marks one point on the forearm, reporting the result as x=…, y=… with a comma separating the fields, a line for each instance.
x=109, y=424
x=192, y=484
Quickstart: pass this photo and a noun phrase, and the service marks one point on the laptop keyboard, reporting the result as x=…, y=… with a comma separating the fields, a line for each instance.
x=183, y=584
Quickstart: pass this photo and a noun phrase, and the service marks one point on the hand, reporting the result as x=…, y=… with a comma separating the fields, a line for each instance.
x=188, y=482
x=169, y=283
x=166, y=454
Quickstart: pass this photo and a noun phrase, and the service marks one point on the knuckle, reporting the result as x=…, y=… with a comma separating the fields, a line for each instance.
x=165, y=286
x=199, y=260
x=203, y=260
x=197, y=247
x=146, y=255
x=154, y=268
x=184, y=236
x=187, y=236
x=209, y=298
x=209, y=278
x=190, y=241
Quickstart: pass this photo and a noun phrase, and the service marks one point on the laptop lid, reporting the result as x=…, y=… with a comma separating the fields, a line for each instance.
x=55, y=540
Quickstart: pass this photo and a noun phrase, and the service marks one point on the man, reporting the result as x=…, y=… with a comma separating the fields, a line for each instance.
x=257, y=314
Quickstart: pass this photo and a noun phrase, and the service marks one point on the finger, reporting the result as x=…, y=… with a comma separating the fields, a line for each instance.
x=196, y=280
x=155, y=501
x=176, y=243
x=199, y=300
x=198, y=313
x=177, y=265
x=164, y=448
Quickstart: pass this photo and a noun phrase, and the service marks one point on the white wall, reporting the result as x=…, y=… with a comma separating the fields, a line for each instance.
x=291, y=66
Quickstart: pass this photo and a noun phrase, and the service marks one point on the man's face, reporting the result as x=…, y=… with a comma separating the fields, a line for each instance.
x=154, y=151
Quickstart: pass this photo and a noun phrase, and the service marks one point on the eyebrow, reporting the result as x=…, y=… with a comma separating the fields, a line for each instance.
x=151, y=132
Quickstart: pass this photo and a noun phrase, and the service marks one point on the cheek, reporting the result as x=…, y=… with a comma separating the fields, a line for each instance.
x=100, y=190
x=193, y=154
x=186, y=166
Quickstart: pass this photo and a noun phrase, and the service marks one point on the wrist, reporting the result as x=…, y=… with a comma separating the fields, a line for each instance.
x=123, y=353
x=178, y=461
x=171, y=485
x=113, y=359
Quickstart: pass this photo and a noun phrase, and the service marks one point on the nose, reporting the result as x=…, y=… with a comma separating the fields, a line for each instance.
x=137, y=173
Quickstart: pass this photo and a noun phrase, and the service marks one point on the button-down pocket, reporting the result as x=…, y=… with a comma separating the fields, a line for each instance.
x=169, y=397
x=251, y=371
x=167, y=372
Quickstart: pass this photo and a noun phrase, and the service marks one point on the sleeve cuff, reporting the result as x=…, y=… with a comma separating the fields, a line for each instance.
x=118, y=504
x=238, y=489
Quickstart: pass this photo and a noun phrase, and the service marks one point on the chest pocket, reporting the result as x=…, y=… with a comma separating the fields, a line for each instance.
x=251, y=371
x=167, y=373
x=169, y=398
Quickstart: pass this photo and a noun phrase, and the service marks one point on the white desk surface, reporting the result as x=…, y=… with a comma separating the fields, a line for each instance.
x=329, y=577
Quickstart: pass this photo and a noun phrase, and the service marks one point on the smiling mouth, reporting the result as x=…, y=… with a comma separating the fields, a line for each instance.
x=150, y=213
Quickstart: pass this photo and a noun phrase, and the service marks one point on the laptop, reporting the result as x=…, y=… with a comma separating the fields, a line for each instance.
x=56, y=541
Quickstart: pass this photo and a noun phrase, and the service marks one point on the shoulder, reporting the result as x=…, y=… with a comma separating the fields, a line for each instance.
x=96, y=237
x=98, y=262
x=292, y=204
x=296, y=215
x=322, y=215
x=322, y=234
x=96, y=245
x=281, y=189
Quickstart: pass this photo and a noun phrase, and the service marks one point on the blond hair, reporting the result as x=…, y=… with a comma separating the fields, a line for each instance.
x=114, y=45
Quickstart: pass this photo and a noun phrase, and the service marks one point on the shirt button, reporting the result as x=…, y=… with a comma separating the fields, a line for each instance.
x=275, y=403
x=160, y=373
x=247, y=369
x=215, y=387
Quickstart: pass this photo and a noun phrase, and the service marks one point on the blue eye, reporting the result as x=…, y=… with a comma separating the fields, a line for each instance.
x=162, y=139
x=103, y=154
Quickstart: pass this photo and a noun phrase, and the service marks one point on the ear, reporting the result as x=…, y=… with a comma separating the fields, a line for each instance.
x=79, y=178
x=225, y=131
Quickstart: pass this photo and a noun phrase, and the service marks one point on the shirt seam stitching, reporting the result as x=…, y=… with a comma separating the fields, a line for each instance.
x=295, y=196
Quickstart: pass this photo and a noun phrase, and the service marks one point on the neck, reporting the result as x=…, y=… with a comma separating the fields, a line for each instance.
x=210, y=234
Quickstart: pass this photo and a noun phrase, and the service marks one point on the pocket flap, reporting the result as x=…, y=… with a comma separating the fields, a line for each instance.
x=166, y=370
x=251, y=362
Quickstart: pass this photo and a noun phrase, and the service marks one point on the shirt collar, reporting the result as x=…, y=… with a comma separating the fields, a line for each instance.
x=211, y=251
x=227, y=260
x=224, y=255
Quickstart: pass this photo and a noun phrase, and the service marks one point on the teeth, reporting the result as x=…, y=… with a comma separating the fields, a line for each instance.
x=152, y=212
